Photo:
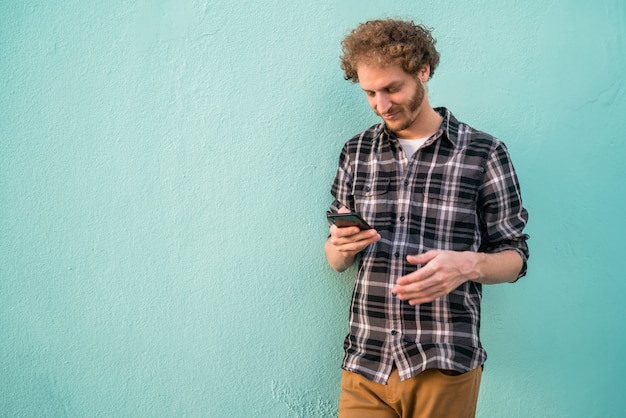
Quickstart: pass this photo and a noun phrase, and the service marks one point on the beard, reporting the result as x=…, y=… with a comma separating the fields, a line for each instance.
x=413, y=106
x=417, y=99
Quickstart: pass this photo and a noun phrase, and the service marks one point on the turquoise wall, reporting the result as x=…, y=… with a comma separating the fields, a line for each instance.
x=164, y=172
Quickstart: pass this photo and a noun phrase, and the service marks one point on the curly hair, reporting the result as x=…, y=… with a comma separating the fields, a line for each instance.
x=389, y=42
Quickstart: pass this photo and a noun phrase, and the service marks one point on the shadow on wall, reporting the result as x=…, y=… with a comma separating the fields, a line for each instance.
x=303, y=404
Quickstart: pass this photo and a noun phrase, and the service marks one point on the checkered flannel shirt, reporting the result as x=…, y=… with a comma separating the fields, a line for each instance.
x=458, y=192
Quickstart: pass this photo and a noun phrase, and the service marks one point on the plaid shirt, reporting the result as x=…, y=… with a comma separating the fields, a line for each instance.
x=458, y=192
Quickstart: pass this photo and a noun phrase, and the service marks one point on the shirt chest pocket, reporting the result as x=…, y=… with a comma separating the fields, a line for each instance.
x=373, y=196
x=447, y=183
x=446, y=189
x=450, y=209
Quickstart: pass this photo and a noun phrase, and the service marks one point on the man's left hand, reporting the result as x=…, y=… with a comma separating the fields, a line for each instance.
x=440, y=274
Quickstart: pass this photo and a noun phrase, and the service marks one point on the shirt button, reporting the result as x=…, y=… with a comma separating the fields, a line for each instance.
x=367, y=188
x=394, y=332
x=397, y=255
x=406, y=183
x=402, y=218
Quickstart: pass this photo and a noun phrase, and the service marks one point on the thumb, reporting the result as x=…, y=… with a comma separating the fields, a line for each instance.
x=423, y=258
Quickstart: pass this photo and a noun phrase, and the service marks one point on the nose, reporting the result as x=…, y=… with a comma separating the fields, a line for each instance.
x=383, y=104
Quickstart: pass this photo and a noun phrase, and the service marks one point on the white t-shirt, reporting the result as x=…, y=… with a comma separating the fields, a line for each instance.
x=410, y=146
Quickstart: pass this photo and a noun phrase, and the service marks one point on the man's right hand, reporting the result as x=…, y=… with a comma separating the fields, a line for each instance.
x=345, y=243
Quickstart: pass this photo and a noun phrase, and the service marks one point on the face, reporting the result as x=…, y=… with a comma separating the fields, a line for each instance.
x=394, y=95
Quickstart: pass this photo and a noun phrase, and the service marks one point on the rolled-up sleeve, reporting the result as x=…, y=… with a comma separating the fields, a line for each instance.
x=501, y=210
x=341, y=188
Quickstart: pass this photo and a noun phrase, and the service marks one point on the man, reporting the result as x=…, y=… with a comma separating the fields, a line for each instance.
x=445, y=206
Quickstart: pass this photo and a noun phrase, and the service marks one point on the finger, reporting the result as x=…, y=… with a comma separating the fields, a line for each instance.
x=369, y=236
x=354, y=246
x=422, y=295
x=335, y=231
x=418, y=298
x=421, y=275
x=422, y=300
x=355, y=242
x=365, y=237
x=420, y=282
x=423, y=258
x=412, y=291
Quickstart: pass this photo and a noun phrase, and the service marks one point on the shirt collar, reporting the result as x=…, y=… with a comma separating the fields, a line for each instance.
x=448, y=130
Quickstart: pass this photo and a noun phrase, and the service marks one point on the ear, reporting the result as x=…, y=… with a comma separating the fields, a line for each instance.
x=424, y=73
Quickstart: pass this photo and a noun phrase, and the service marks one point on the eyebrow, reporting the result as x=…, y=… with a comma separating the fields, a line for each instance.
x=393, y=84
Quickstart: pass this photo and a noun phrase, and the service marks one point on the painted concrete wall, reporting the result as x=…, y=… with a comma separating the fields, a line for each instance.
x=164, y=172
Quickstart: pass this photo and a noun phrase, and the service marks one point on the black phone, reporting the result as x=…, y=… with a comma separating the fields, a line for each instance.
x=343, y=220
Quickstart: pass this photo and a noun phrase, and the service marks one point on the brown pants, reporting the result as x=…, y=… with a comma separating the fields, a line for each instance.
x=430, y=394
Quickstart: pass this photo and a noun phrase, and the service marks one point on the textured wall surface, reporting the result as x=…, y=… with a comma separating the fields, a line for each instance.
x=165, y=168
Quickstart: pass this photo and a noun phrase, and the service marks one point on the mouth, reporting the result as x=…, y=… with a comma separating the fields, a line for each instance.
x=389, y=116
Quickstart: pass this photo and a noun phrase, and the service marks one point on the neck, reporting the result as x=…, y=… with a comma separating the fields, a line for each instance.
x=426, y=124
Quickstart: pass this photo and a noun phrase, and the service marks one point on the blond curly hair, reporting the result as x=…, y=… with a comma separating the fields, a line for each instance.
x=389, y=42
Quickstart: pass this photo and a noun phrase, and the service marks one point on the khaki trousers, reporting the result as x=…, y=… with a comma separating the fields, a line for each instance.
x=430, y=394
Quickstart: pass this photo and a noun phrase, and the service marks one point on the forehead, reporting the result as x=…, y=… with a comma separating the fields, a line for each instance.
x=375, y=77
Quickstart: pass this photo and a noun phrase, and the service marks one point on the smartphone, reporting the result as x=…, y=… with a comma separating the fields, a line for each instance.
x=343, y=220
